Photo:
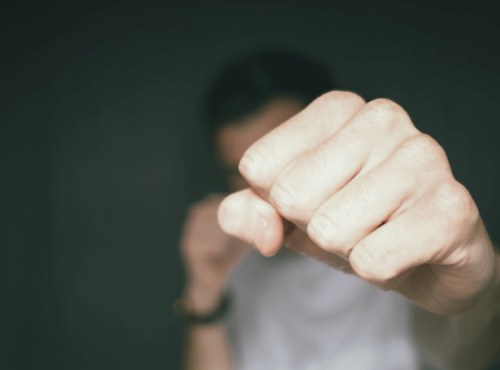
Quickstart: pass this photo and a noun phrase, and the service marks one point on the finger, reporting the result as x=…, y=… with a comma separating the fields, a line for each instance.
x=268, y=157
x=299, y=241
x=371, y=136
x=433, y=231
x=373, y=198
x=247, y=216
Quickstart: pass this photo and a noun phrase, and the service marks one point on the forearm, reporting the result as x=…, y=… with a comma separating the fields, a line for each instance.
x=469, y=340
x=207, y=346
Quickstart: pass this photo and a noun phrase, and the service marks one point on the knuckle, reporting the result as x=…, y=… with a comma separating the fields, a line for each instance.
x=284, y=199
x=383, y=107
x=422, y=150
x=371, y=266
x=255, y=166
x=456, y=203
x=422, y=143
x=335, y=99
x=324, y=232
x=379, y=114
x=386, y=114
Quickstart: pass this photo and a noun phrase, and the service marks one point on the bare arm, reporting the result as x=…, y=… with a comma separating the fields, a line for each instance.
x=209, y=256
x=207, y=346
x=372, y=195
x=469, y=340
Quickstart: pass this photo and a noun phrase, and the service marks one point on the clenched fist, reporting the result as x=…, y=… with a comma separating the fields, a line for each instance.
x=367, y=192
x=209, y=254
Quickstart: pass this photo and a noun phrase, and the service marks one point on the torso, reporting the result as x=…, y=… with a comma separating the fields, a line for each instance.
x=293, y=312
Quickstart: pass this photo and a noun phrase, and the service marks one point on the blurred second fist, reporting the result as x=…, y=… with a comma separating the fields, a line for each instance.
x=209, y=254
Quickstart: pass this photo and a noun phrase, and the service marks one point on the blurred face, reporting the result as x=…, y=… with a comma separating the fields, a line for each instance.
x=236, y=137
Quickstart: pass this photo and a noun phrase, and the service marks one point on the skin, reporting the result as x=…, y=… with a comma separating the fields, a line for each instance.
x=209, y=253
x=370, y=194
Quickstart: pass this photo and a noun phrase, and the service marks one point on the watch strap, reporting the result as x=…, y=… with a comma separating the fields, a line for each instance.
x=183, y=309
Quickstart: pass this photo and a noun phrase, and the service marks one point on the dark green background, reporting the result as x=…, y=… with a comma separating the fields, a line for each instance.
x=101, y=151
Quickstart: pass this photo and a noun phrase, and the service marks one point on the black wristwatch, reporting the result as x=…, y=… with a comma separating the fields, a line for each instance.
x=183, y=309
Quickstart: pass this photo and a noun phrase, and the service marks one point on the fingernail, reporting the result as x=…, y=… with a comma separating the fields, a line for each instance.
x=258, y=232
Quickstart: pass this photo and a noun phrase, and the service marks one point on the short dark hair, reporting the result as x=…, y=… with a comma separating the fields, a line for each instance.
x=246, y=84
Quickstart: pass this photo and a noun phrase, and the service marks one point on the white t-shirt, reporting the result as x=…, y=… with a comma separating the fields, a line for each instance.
x=293, y=312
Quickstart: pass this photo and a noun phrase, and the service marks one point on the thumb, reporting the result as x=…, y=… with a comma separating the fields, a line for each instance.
x=247, y=216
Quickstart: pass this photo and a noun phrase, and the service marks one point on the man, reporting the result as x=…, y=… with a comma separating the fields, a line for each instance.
x=352, y=184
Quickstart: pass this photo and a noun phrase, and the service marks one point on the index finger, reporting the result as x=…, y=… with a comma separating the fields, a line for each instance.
x=268, y=157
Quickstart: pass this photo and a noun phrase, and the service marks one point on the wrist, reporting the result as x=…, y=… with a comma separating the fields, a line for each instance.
x=495, y=285
x=182, y=308
x=487, y=305
x=203, y=298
